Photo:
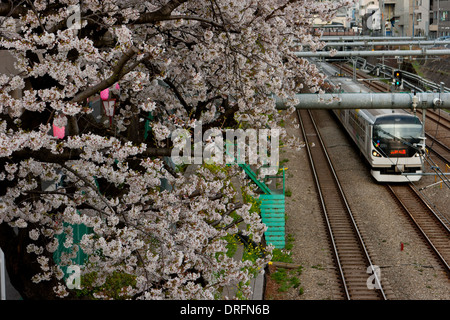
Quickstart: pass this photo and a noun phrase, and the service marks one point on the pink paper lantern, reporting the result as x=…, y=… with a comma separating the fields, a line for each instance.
x=109, y=106
x=59, y=132
x=104, y=94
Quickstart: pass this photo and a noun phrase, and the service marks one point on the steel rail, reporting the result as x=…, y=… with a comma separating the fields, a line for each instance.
x=379, y=87
x=321, y=197
x=349, y=211
x=348, y=215
x=436, y=145
x=425, y=229
x=433, y=221
x=435, y=117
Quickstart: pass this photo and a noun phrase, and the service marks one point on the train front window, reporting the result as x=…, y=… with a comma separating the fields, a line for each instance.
x=397, y=131
x=397, y=136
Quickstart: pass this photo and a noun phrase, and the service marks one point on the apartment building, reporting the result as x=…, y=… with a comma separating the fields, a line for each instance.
x=439, y=18
x=429, y=18
x=406, y=17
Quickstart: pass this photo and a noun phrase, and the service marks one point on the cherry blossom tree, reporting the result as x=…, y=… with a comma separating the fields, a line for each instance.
x=168, y=64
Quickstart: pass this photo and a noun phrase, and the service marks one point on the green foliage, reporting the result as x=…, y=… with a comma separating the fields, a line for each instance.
x=248, y=199
x=253, y=251
x=287, y=279
x=288, y=193
x=214, y=168
x=113, y=287
x=283, y=255
x=232, y=244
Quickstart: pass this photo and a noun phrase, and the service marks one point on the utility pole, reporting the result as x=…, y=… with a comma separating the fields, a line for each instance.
x=413, y=14
x=438, y=18
x=383, y=27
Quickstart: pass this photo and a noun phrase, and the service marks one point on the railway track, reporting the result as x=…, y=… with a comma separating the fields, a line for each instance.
x=434, y=228
x=437, y=118
x=441, y=150
x=371, y=84
x=433, y=143
x=350, y=253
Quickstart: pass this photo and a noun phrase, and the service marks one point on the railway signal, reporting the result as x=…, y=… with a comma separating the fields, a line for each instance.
x=397, y=78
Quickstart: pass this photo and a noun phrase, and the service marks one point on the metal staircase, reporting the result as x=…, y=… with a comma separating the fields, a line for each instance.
x=272, y=215
x=272, y=203
x=272, y=207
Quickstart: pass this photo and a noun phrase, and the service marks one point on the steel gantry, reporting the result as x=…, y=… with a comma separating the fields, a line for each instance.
x=369, y=100
x=370, y=38
x=377, y=53
x=372, y=43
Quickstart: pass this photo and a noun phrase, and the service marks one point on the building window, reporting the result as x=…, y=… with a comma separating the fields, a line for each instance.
x=445, y=16
x=418, y=18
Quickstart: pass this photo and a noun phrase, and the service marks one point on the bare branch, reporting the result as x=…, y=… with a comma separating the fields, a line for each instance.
x=118, y=72
x=195, y=18
x=9, y=10
x=88, y=183
x=161, y=14
x=37, y=15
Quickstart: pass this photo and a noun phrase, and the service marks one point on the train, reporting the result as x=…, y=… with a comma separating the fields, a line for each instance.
x=392, y=141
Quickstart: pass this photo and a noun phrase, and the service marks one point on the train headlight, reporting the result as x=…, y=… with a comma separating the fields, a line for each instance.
x=375, y=154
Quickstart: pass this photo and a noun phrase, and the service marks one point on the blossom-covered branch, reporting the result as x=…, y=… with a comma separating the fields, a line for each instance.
x=67, y=160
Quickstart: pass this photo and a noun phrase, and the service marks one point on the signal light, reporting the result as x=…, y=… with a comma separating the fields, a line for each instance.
x=397, y=75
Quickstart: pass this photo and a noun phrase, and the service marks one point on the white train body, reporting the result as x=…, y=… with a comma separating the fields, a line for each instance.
x=390, y=140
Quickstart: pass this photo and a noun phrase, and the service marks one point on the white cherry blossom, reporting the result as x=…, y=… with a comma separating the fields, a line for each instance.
x=176, y=62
